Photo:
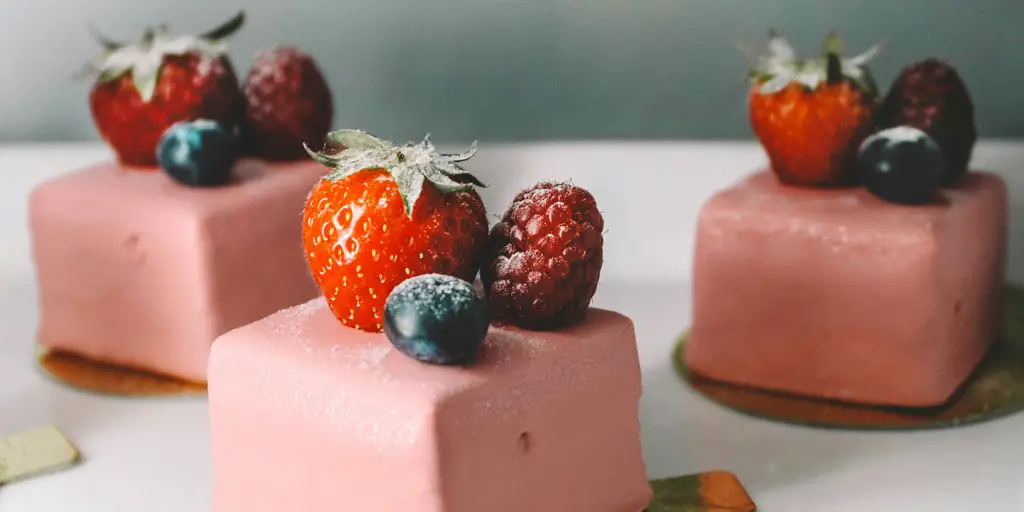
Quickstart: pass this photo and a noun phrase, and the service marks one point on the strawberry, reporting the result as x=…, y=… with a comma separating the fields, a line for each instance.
x=811, y=115
x=385, y=214
x=930, y=95
x=544, y=257
x=144, y=88
x=287, y=104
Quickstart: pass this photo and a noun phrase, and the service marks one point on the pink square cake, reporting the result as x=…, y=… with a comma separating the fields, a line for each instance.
x=837, y=294
x=309, y=415
x=137, y=270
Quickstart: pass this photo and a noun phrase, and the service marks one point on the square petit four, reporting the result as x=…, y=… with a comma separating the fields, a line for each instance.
x=307, y=414
x=862, y=267
x=839, y=294
x=393, y=392
x=137, y=270
x=142, y=263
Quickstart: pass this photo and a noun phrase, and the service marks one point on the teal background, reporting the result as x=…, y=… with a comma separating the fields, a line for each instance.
x=520, y=70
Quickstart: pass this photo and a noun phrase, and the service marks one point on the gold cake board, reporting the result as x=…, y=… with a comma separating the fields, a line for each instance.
x=995, y=389
x=107, y=379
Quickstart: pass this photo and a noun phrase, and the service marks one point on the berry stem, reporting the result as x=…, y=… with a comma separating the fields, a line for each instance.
x=833, y=45
x=833, y=59
x=833, y=70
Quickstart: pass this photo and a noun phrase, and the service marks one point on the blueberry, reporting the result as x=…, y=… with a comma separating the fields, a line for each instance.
x=436, y=319
x=901, y=165
x=198, y=153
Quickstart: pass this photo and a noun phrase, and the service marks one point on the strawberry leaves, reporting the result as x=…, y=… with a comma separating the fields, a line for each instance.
x=410, y=185
x=146, y=74
x=780, y=66
x=411, y=165
x=356, y=139
x=226, y=29
x=145, y=58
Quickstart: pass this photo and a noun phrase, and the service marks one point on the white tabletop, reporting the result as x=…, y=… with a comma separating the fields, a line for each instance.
x=153, y=455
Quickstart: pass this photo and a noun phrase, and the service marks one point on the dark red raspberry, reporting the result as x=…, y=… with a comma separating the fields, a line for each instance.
x=544, y=257
x=930, y=95
x=288, y=103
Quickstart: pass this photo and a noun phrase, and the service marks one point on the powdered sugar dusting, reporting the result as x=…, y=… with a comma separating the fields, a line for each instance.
x=370, y=403
x=293, y=323
x=542, y=195
x=296, y=325
x=361, y=356
x=373, y=356
x=369, y=417
x=382, y=428
x=305, y=310
x=433, y=291
x=513, y=264
x=530, y=371
x=902, y=134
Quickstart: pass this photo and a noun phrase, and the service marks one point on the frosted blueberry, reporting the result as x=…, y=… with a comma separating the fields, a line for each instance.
x=198, y=153
x=901, y=165
x=436, y=319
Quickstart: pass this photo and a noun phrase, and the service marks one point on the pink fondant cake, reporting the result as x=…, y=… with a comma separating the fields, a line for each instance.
x=143, y=263
x=310, y=415
x=393, y=393
x=137, y=269
x=839, y=294
x=866, y=264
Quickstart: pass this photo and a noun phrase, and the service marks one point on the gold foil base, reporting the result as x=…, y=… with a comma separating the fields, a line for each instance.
x=106, y=379
x=711, y=491
x=995, y=389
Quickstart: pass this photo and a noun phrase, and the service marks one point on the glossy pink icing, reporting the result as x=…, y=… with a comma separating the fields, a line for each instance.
x=838, y=294
x=137, y=270
x=309, y=415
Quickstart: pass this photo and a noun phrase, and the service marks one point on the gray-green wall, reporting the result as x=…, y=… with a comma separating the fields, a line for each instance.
x=521, y=70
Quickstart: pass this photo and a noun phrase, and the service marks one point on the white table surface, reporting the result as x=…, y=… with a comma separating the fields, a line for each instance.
x=153, y=455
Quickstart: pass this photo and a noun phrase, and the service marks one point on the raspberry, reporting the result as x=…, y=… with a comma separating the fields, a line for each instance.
x=930, y=95
x=544, y=257
x=288, y=103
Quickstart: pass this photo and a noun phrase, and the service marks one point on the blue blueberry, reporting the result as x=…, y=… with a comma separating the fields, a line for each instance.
x=436, y=319
x=901, y=165
x=198, y=153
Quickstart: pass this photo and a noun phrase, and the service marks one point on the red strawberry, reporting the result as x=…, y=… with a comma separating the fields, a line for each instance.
x=143, y=89
x=811, y=115
x=544, y=258
x=385, y=214
x=287, y=104
x=930, y=96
